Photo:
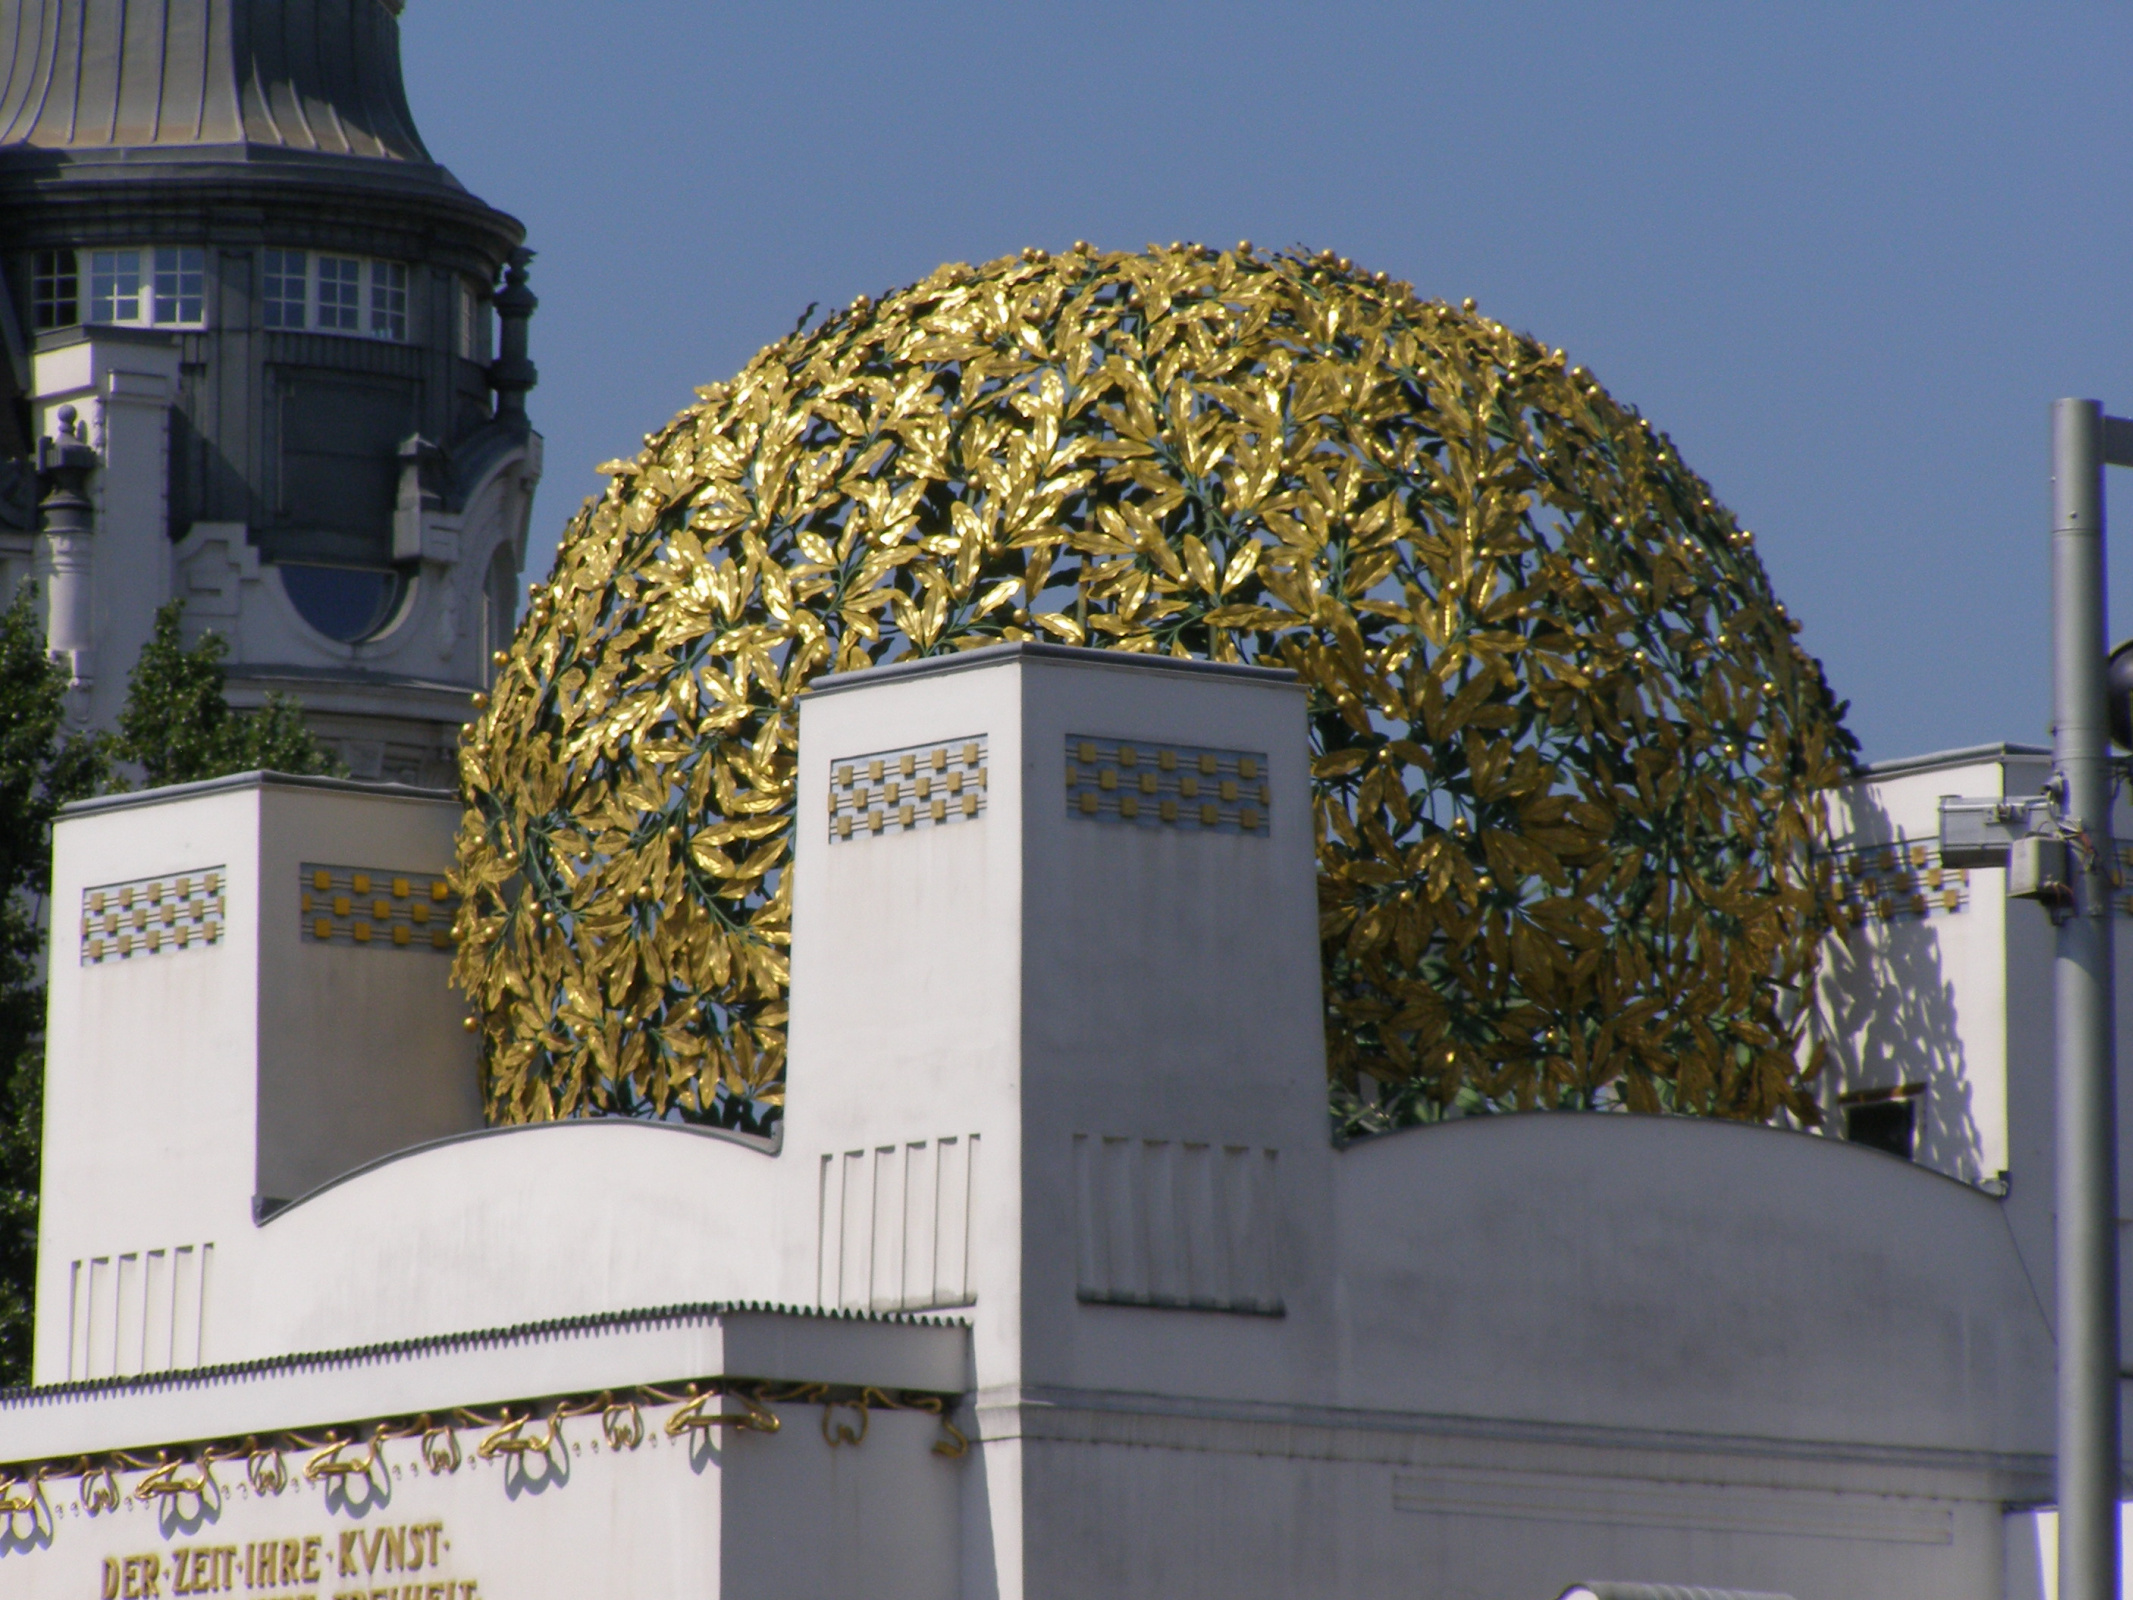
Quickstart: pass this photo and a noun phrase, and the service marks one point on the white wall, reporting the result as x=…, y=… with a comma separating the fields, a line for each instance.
x=643, y=1511
x=187, y=1083
x=1065, y=1076
x=1960, y=1002
x=1123, y=1015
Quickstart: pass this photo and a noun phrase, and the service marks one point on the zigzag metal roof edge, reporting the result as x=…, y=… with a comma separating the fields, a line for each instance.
x=398, y=1349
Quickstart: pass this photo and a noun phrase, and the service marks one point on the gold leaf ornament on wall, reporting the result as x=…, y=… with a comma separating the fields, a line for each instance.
x=1568, y=756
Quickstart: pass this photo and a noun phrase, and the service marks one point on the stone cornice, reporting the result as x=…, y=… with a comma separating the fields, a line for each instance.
x=383, y=208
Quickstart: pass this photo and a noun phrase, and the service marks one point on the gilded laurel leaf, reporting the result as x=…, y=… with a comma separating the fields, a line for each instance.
x=1568, y=758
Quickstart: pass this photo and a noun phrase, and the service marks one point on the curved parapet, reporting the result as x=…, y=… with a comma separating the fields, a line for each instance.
x=517, y=1225
x=1689, y=1276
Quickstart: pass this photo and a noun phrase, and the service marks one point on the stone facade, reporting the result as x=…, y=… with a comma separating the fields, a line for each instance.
x=295, y=341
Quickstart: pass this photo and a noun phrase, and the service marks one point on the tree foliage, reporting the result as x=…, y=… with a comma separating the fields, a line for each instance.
x=178, y=725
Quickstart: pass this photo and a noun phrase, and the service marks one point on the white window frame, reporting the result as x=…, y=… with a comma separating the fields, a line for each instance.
x=347, y=296
x=470, y=308
x=133, y=278
x=385, y=304
x=274, y=278
x=55, y=290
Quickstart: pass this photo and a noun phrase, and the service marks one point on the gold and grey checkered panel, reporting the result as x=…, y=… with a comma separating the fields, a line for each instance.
x=1154, y=783
x=1888, y=882
x=1905, y=879
x=152, y=916
x=897, y=791
x=376, y=906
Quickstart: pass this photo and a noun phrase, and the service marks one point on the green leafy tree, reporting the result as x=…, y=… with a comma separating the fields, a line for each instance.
x=42, y=767
x=178, y=725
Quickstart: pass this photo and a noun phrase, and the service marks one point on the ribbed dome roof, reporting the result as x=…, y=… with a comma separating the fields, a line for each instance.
x=310, y=75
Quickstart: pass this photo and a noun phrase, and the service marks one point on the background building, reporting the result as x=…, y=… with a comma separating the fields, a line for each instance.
x=277, y=320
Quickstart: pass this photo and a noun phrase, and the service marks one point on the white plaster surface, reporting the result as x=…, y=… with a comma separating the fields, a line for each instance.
x=1064, y=1079
x=1959, y=1004
x=686, y=1512
x=183, y=1085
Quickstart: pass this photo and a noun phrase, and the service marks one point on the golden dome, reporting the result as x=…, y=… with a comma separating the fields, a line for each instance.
x=1568, y=758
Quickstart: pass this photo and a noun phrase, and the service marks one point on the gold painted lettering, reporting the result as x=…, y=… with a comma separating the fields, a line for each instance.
x=180, y=1560
x=132, y=1586
x=292, y=1557
x=310, y=1568
x=349, y=1541
x=151, y=1577
x=111, y=1579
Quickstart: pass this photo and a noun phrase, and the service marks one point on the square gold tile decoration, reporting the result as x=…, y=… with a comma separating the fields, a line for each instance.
x=901, y=791
x=153, y=916
x=1898, y=882
x=1192, y=789
x=383, y=908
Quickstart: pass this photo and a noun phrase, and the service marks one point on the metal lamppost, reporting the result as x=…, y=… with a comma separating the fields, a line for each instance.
x=2083, y=440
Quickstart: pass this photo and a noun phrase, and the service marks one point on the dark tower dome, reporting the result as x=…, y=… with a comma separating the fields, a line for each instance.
x=228, y=201
x=280, y=73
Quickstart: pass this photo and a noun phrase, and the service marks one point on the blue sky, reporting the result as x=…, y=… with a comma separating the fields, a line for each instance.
x=1845, y=255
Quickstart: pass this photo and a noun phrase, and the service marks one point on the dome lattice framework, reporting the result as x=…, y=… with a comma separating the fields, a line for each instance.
x=1567, y=755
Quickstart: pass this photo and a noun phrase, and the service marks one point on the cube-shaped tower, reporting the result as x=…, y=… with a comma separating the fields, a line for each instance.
x=248, y=1000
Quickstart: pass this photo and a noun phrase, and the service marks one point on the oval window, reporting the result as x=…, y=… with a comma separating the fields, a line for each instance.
x=344, y=603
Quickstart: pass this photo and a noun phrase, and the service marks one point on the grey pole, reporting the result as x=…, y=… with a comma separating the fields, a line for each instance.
x=2081, y=980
